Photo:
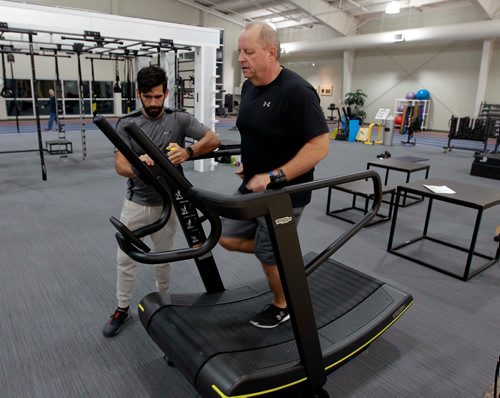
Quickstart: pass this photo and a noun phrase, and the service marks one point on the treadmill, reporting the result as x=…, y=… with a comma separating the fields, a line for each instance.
x=336, y=311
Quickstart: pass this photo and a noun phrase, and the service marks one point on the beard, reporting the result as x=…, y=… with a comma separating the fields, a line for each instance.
x=152, y=111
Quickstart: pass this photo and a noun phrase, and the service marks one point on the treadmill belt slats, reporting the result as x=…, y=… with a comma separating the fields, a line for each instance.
x=205, y=336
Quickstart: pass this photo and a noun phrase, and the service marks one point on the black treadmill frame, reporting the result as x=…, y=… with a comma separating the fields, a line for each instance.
x=276, y=206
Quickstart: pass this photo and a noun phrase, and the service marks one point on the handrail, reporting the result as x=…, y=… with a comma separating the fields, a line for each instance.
x=146, y=175
x=254, y=204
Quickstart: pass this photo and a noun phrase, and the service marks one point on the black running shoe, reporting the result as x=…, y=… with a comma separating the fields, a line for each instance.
x=115, y=323
x=271, y=317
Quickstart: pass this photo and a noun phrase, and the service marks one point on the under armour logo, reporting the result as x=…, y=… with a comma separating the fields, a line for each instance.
x=267, y=104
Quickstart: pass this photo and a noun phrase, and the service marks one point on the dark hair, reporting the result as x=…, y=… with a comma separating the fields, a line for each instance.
x=150, y=77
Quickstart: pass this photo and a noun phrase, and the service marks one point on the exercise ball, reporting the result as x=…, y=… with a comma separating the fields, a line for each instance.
x=398, y=120
x=423, y=94
x=401, y=108
x=410, y=95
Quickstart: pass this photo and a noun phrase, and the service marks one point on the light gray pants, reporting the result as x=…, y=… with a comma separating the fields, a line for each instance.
x=135, y=216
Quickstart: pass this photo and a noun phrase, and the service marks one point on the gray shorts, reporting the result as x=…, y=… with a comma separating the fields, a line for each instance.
x=256, y=228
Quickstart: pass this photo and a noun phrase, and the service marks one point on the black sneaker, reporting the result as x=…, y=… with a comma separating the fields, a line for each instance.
x=115, y=323
x=271, y=317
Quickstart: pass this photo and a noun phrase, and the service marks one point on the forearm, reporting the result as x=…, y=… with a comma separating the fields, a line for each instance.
x=305, y=159
x=308, y=156
x=122, y=166
x=209, y=143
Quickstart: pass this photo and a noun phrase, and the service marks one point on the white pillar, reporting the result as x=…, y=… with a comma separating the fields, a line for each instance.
x=168, y=63
x=204, y=92
x=347, y=72
x=118, y=104
x=484, y=69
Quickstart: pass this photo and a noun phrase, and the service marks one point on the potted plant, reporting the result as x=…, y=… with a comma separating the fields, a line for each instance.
x=356, y=100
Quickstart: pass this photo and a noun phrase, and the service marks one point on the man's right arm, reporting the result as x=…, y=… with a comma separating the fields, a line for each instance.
x=122, y=165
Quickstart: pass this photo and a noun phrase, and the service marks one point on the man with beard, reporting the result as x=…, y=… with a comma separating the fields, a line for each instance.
x=142, y=206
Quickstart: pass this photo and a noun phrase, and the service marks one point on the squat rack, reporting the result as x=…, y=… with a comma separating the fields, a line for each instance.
x=5, y=28
x=91, y=43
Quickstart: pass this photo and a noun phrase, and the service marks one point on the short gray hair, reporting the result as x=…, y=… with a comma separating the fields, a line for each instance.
x=267, y=34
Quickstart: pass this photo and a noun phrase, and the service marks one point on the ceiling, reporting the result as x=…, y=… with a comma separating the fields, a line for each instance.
x=343, y=16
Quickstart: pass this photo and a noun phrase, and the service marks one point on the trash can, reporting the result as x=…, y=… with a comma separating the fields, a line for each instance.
x=388, y=131
x=353, y=130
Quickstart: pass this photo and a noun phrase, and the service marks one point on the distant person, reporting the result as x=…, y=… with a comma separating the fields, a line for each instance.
x=143, y=205
x=52, y=105
x=283, y=136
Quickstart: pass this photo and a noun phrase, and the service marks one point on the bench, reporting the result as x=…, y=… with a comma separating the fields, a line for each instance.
x=56, y=147
x=363, y=189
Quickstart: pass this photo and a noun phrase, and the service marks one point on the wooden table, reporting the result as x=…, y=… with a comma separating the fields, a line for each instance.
x=470, y=196
x=402, y=166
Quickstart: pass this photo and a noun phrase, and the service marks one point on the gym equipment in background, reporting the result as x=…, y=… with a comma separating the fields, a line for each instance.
x=423, y=95
x=468, y=129
x=380, y=130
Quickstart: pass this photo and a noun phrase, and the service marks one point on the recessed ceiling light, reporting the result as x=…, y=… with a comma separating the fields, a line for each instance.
x=392, y=8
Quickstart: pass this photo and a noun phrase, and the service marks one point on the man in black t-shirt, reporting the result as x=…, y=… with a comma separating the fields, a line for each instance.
x=283, y=134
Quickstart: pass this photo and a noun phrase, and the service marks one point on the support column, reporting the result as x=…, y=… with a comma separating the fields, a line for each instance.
x=347, y=72
x=168, y=63
x=204, y=105
x=117, y=97
x=484, y=69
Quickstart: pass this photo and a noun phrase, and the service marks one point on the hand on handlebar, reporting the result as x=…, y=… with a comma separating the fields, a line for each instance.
x=147, y=160
x=259, y=182
x=239, y=172
x=176, y=154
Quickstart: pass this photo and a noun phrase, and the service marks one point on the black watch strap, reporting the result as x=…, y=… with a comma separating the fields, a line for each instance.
x=190, y=151
x=277, y=180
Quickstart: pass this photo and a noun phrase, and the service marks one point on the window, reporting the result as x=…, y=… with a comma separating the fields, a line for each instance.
x=21, y=87
x=24, y=108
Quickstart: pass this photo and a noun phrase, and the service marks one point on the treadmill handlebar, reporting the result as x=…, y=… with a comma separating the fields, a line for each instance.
x=145, y=173
x=172, y=174
x=239, y=207
x=213, y=204
x=130, y=246
x=223, y=150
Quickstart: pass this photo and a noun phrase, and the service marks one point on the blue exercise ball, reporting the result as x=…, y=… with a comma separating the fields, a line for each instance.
x=423, y=94
x=410, y=95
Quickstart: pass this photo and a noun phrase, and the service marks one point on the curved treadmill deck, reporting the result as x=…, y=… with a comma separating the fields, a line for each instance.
x=210, y=340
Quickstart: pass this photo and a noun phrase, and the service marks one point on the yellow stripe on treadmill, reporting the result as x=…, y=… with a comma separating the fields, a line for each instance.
x=256, y=394
x=371, y=340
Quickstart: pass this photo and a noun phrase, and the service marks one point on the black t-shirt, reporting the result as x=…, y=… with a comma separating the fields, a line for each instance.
x=275, y=121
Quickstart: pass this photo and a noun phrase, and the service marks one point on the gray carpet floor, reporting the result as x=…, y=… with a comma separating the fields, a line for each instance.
x=58, y=282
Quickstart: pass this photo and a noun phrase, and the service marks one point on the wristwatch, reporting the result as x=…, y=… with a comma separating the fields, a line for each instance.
x=190, y=151
x=277, y=180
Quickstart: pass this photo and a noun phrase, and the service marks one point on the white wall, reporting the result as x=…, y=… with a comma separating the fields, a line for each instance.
x=448, y=70
x=232, y=69
x=327, y=69
x=411, y=18
x=159, y=10
x=493, y=89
